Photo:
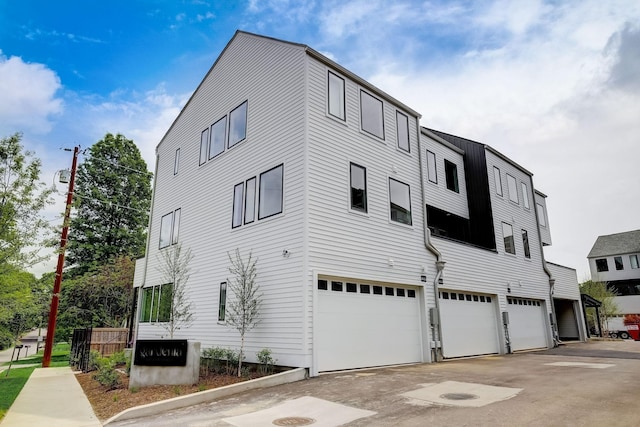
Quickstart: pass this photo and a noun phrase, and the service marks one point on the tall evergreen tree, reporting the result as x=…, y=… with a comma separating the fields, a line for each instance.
x=112, y=199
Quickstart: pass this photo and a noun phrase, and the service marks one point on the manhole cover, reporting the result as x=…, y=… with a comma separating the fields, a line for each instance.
x=458, y=396
x=293, y=421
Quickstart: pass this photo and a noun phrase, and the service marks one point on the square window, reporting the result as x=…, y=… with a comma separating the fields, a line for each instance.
x=402, y=124
x=507, y=236
x=461, y=297
x=445, y=295
x=218, y=134
x=525, y=244
x=322, y=285
x=525, y=195
x=358, y=188
x=336, y=96
x=497, y=180
x=222, y=302
x=176, y=162
x=432, y=172
x=468, y=297
x=250, y=201
x=389, y=291
x=365, y=289
x=336, y=286
x=451, y=175
x=238, y=197
x=602, y=265
x=270, y=200
x=411, y=293
x=618, y=262
x=204, y=145
x=371, y=115
x=352, y=287
x=633, y=260
x=399, y=201
x=454, y=296
x=238, y=124
x=377, y=290
x=488, y=299
x=400, y=292
x=513, y=189
x=475, y=298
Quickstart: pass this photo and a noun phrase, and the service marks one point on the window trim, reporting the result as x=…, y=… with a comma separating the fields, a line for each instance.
x=408, y=187
x=497, y=179
x=456, y=183
x=406, y=119
x=222, y=302
x=344, y=102
x=260, y=195
x=246, y=119
x=435, y=167
x=365, y=209
x=511, y=179
x=368, y=132
x=505, y=237
x=525, y=244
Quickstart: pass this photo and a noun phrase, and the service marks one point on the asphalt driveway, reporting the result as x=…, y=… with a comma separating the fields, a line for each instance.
x=580, y=384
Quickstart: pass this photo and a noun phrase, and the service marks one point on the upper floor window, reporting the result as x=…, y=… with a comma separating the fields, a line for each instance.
x=371, y=114
x=218, y=134
x=498, y=180
x=602, y=265
x=513, y=188
x=451, y=175
x=402, y=125
x=169, y=228
x=400, y=201
x=633, y=260
x=270, y=198
x=525, y=244
x=237, y=124
x=432, y=172
x=618, y=261
x=238, y=198
x=176, y=162
x=507, y=235
x=358, y=188
x=336, y=96
x=541, y=215
x=250, y=201
x=204, y=146
x=525, y=195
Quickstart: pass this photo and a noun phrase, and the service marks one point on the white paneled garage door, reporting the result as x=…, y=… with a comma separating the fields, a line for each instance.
x=469, y=324
x=361, y=325
x=527, y=323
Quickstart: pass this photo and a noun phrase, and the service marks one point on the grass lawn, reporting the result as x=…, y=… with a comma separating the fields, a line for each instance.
x=10, y=387
x=59, y=357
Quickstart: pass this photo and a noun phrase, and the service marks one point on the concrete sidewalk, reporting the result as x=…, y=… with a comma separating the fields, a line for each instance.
x=52, y=397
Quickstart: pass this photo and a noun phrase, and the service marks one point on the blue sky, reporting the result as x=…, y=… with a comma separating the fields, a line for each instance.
x=555, y=85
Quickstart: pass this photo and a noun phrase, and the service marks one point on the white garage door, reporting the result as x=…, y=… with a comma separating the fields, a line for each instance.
x=527, y=323
x=469, y=325
x=362, y=325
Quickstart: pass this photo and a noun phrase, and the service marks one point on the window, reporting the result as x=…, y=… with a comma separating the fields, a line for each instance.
x=204, y=145
x=336, y=286
x=147, y=301
x=432, y=172
x=176, y=226
x=164, y=302
x=513, y=189
x=602, y=265
x=270, y=192
x=400, y=201
x=498, y=180
x=250, y=201
x=336, y=96
x=358, y=188
x=402, y=125
x=176, y=162
x=352, y=287
x=633, y=260
x=169, y=228
x=156, y=303
x=451, y=174
x=322, y=284
x=618, y=261
x=525, y=244
x=541, y=216
x=507, y=235
x=365, y=289
x=238, y=124
x=222, y=302
x=371, y=115
x=238, y=197
x=218, y=133
x=525, y=195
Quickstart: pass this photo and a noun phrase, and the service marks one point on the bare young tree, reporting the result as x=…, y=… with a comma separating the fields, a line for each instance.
x=244, y=309
x=174, y=266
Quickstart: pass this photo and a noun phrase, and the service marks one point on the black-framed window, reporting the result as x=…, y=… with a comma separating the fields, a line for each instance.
x=400, y=201
x=513, y=189
x=358, y=192
x=270, y=197
x=237, y=124
x=204, y=146
x=451, y=175
x=156, y=303
x=432, y=170
x=402, y=126
x=525, y=244
x=602, y=265
x=541, y=215
x=497, y=180
x=176, y=162
x=371, y=114
x=218, y=135
x=525, y=195
x=507, y=235
x=169, y=228
x=222, y=302
x=175, y=226
x=250, y=201
x=238, y=198
x=336, y=98
x=618, y=262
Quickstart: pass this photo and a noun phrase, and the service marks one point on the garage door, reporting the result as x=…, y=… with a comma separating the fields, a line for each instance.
x=527, y=323
x=362, y=325
x=469, y=325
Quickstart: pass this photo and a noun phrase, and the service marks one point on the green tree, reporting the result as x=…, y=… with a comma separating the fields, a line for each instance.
x=174, y=266
x=112, y=200
x=18, y=305
x=602, y=293
x=22, y=199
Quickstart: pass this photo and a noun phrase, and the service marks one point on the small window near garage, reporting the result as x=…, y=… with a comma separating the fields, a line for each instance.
x=322, y=285
x=468, y=297
x=358, y=188
x=451, y=175
x=633, y=260
x=336, y=286
x=454, y=296
x=432, y=172
x=602, y=265
x=618, y=262
x=461, y=297
x=237, y=124
x=222, y=302
x=507, y=236
x=402, y=122
x=365, y=289
x=482, y=298
x=411, y=293
x=399, y=201
x=525, y=195
x=488, y=299
x=445, y=295
x=176, y=162
x=352, y=287
x=513, y=189
x=525, y=244
x=498, y=180
x=377, y=290
x=336, y=96
x=400, y=292
x=371, y=115
x=475, y=298
x=389, y=291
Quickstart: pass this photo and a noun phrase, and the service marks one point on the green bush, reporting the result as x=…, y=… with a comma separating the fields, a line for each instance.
x=220, y=361
x=266, y=360
x=95, y=360
x=118, y=358
x=107, y=375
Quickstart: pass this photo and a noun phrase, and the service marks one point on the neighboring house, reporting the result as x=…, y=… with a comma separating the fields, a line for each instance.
x=282, y=153
x=615, y=259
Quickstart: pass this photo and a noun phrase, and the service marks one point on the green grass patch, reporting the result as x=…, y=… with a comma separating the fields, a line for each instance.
x=59, y=357
x=10, y=387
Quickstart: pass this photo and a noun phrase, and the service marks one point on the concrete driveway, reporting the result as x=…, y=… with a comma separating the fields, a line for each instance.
x=581, y=384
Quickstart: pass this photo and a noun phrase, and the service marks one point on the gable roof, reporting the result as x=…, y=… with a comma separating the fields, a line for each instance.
x=616, y=244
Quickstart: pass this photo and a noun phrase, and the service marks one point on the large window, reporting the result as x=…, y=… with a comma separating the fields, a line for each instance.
x=358, y=188
x=451, y=175
x=270, y=198
x=432, y=172
x=218, y=133
x=618, y=261
x=336, y=96
x=507, y=235
x=222, y=302
x=156, y=303
x=402, y=124
x=371, y=114
x=498, y=180
x=602, y=265
x=169, y=228
x=525, y=195
x=513, y=188
x=204, y=145
x=238, y=124
x=633, y=260
x=238, y=198
x=541, y=215
x=525, y=244
x=400, y=201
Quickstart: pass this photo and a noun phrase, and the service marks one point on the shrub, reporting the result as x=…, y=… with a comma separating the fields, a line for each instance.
x=107, y=375
x=118, y=358
x=266, y=361
x=95, y=360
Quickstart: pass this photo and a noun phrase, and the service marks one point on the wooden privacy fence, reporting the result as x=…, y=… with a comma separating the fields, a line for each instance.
x=109, y=340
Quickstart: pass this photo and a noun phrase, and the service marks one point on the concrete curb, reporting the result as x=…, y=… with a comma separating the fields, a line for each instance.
x=209, y=395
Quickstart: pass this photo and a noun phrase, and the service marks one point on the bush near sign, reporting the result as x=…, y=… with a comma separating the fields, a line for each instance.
x=161, y=353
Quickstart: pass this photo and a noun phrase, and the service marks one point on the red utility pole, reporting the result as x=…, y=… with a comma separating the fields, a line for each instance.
x=53, y=311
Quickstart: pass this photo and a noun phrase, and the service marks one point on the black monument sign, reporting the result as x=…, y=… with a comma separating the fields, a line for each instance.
x=161, y=353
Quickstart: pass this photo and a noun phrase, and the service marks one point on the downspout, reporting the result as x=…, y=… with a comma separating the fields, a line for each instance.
x=435, y=323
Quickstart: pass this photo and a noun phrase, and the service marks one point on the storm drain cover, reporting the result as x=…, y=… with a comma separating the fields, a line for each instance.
x=458, y=396
x=293, y=421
